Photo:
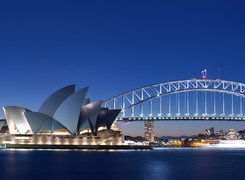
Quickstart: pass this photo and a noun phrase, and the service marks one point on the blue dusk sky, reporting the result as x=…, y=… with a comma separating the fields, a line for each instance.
x=115, y=46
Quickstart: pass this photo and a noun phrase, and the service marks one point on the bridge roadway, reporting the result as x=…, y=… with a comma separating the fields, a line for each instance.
x=182, y=118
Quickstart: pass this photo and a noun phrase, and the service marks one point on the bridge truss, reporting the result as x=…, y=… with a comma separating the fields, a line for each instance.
x=195, y=99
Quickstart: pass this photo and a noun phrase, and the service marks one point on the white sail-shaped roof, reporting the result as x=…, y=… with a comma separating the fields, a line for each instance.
x=52, y=125
x=64, y=109
x=16, y=120
x=69, y=111
x=52, y=103
x=2, y=124
x=86, y=101
x=89, y=115
x=110, y=117
x=36, y=120
x=107, y=117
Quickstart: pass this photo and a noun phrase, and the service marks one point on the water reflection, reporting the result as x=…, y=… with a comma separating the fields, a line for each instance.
x=145, y=165
x=158, y=170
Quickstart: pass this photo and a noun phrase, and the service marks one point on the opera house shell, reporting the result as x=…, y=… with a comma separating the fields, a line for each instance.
x=66, y=111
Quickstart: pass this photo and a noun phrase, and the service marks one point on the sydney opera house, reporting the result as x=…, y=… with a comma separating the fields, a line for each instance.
x=66, y=117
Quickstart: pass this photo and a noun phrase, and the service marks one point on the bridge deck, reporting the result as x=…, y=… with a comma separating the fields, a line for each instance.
x=183, y=118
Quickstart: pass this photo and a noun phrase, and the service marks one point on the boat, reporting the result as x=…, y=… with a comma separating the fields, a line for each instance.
x=229, y=144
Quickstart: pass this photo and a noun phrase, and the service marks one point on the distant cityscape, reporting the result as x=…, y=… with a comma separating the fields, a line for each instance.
x=209, y=136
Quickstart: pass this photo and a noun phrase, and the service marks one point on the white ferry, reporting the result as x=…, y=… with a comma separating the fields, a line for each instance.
x=230, y=144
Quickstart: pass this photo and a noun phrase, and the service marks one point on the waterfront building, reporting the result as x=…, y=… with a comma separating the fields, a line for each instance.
x=65, y=117
x=209, y=132
x=241, y=134
x=149, y=131
x=232, y=134
x=220, y=134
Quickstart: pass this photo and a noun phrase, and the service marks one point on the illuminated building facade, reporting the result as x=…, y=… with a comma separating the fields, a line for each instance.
x=65, y=117
x=232, y=134
x=149, y=131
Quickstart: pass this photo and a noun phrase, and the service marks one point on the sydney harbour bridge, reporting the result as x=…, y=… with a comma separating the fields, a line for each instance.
x=192, y=99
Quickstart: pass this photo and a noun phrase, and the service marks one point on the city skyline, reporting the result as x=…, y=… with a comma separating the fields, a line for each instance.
x=114, y=47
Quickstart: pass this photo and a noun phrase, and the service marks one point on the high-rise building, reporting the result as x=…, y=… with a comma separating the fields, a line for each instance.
x=232, y=134
x=149, y=131
x=209, y=132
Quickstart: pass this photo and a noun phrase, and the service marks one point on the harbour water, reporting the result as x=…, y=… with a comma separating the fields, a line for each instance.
x=159, y=164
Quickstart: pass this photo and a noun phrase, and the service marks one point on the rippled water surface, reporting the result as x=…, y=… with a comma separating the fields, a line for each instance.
x=149, y=165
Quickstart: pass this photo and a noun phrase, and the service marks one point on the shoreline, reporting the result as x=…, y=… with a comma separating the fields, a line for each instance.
x=85, y=147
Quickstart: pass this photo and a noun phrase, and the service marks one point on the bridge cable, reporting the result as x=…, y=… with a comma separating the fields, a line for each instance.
x=205, y=94
x=232, y=105
x=196, y=102
x=169, y=105
x=214, y=103
x=223, y=104
x=187, y=103
x=241, y=106
x=160, y=106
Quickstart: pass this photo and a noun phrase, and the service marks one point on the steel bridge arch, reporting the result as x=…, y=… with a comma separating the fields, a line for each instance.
x=137, y=96
x=189, y=90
